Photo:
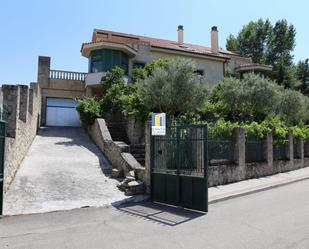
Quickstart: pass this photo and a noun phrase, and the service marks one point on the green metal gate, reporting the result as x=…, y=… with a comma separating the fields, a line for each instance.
x=179, y=167
x=2, y=147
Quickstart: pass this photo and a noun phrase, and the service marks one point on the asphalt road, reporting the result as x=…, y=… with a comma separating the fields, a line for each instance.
x=276, y=218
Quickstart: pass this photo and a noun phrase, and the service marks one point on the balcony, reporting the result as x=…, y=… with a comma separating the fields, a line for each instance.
x=66, y=75
x=94, y=79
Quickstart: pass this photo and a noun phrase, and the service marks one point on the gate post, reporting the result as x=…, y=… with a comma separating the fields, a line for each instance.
x=178, y=162
x=290, y=149
x=240, y=151
x=205, y=156
x=148, y=157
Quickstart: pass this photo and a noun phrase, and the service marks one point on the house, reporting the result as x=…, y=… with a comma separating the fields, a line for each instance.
x=108, y=49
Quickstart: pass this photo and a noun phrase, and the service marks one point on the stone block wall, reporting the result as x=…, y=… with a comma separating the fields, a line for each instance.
x=24, y=105
x=241, y=170
x=224, y=173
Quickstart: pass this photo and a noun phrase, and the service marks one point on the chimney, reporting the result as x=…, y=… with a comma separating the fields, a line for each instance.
x=214, y=40
x=180, y=34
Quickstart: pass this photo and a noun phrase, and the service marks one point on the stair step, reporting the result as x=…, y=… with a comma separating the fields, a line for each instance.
x=137, y=151
x=138, y=146
x=139, y=158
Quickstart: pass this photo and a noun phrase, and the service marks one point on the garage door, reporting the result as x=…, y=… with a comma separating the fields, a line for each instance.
x=61, y=112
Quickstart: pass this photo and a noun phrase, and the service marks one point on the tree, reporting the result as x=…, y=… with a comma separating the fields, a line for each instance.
x=293, y=107
x=141, y=73
x=251, y=40
x=113, y=77
x=249, y=99
x=281, y=43
x=267, y=44
x=303, y=76
x=173, y=89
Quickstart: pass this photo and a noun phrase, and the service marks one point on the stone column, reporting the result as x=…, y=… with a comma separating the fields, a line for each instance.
x=31, y=102
x=290, y=149
x=147, y=157
x=240, y=151
x=269, y=150
x=11, y=101
x=23, y=102
x=43, y=71
x=43, y=81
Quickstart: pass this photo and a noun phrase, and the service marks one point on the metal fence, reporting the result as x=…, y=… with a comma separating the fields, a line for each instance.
x=279, y=151
x=255, y=151
x=179, y=167
x=221, y=149
x=296, y=150
x=181, y=149
x=306, y=149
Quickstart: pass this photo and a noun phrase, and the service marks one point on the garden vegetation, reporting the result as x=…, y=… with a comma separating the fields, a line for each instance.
x=258, y=104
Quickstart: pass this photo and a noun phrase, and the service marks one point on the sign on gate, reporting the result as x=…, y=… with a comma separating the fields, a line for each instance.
x=158, y=124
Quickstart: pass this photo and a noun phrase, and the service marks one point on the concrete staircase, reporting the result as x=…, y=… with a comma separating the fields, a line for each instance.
x=118, y=133
x=138, y=151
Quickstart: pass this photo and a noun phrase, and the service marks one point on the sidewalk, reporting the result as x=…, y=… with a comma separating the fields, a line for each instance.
x=232, y=190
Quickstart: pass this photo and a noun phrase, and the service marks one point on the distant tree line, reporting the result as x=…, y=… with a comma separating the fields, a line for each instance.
x=273, y=45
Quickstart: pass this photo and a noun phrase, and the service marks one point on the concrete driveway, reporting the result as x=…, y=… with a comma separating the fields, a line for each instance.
x=62, y=170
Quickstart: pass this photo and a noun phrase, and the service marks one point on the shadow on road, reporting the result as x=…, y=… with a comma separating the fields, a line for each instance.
x=158, y=213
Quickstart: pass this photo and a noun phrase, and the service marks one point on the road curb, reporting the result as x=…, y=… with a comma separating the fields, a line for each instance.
x=257, y=190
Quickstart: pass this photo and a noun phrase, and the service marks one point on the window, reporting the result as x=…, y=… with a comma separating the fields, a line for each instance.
x=104, y=60
x=96, y=66
x=199, y=72
x=138, y=65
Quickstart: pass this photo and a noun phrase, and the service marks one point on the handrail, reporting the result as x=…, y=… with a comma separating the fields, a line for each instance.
x=67, y=75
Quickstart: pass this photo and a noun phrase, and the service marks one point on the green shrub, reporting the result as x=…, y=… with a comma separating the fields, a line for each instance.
x=112, y=101
x=89, y=110
x=189, y=118
x=211, y=111
x=298, y=132
x=221, y=129
x=132, y=103
x=255, y=130
x=115, y=76
x=278, y=129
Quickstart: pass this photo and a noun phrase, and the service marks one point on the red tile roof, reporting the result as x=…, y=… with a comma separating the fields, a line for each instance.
x=166, y=44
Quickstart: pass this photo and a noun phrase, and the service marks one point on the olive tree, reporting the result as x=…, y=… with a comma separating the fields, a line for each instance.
x=293, y=107
x=250, y=99
x=174, y=89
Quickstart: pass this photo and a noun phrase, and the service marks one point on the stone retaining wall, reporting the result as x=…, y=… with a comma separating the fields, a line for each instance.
x=134, y=129
x=24, y=105
x=116, y=152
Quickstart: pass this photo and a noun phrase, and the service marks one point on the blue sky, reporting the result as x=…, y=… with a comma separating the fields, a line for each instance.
x=57, y=28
